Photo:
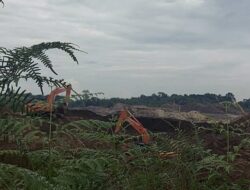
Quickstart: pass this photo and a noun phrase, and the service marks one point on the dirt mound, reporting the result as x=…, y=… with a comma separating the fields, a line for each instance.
x=214, y=108
x=161, y=112
x=242, y=163
x=165, y=125
x=242, y=122
x=241, y=119
x=83, y=114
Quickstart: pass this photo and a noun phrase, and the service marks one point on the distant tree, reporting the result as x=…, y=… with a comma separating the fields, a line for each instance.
x=86, y=98
x=230, y=97
x=87, y=95
x=162, y=94
x=245, y=104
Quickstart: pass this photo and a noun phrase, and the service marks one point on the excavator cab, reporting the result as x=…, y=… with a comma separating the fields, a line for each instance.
x=126, y=116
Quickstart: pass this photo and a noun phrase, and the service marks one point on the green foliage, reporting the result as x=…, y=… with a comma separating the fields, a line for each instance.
x=12, y=129
x=13, y=177
x=78, y=159
x=14, y=100
x=24, y=64
x=160, y=99
x=84, y=97
x=245, y=104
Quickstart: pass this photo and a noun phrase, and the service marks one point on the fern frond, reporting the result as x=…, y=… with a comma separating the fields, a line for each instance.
x=23, y=63
x=13, y=177
x=19, y=63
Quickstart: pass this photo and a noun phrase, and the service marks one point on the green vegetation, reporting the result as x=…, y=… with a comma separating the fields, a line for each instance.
x=159, y=99
x=25, y=64
x=210, y=103
x=84, y=155
x=38, y=153
x=245, y=104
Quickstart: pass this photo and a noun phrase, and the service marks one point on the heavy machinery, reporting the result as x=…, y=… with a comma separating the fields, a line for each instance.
x=42, y=107
x=127, y=116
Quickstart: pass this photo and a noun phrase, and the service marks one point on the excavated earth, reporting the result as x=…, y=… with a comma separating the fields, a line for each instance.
x=165, y=120
x=153, y=118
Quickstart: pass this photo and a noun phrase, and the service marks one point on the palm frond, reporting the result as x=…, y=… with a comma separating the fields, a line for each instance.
x=23, y=63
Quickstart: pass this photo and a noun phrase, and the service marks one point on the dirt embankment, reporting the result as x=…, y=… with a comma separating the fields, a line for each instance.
x=163, y=112
x=93, y=112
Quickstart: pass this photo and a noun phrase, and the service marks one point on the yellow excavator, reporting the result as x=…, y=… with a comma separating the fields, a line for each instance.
x=47, y=107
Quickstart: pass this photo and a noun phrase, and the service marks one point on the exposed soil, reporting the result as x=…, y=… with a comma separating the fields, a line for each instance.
x=165, y=125
x=83, y=114
x=216, y=142
x=242, y=165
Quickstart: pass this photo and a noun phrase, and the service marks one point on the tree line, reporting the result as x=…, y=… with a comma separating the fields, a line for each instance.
x=160, y=99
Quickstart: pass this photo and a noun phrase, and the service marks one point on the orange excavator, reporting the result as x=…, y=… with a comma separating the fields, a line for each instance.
x=127, y=116
x=48, y=107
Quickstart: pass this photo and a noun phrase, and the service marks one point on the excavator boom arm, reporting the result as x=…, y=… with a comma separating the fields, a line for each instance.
x=126, y=116
x=50, y=100
x=54, y=93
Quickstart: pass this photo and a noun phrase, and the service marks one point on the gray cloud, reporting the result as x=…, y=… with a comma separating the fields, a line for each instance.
x=140, y=46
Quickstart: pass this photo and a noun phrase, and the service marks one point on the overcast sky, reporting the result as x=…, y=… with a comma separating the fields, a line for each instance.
x=140, y=46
